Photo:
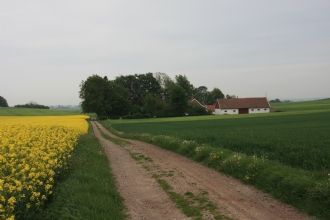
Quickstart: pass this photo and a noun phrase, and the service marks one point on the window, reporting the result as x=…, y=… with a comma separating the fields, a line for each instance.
x=225, y=110
x=234, y=110
x=265, y=109
x=252, y=109
x=258, y=109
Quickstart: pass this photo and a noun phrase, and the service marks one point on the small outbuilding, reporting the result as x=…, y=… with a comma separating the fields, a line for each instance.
x=242, y=106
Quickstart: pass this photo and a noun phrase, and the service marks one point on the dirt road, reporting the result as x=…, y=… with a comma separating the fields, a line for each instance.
x=143, y=197
x=223, y=194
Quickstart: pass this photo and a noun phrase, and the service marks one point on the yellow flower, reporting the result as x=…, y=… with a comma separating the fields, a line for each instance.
x=32, y=151
x=11, y=218
x=11, y=201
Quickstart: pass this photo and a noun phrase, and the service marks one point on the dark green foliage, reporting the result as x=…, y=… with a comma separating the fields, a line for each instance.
x=92, y=93
x=201, y=94
x=165, y=82
x=178, y=101
x=214, y=95
x=275, y=101
x=3, y=102
x=87, y=190
x=139, y=86
x=132, y=85
x=141, y=96
x=195, y=109
x=32, y=105
x=117, y=102
x=153, y=105
x=207, y=97
x=184, y=83
x=104, y=97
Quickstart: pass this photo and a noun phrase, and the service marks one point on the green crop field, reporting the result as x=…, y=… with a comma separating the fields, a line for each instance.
x=323, y=104
x=294, y=140
x=33, y=112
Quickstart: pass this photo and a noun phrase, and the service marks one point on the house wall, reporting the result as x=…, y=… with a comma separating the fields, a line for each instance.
x=226, y=111
x=259, y=110
x=236, y=111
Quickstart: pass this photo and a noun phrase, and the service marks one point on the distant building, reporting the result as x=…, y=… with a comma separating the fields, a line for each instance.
x=210, y=108
x=241, y=106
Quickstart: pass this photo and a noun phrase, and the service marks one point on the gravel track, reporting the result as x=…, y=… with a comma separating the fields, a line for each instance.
x=143, y=197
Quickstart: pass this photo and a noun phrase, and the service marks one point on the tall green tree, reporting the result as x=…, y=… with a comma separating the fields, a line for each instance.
x=104, y=97
x=165, y=83
x=117, y=102
x=184, y=83
x=178, y=100
x=148, y=84
x=93, y=94
x=201, y=94
x=3, y=102
x=153, y=105
x=163, y=79
x=131, y=83
x=138, y=87
x=214, y=95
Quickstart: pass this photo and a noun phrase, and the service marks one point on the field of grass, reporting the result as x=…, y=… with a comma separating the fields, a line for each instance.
x=323, y=104
x=298, y=140
x=87, y=189
x=283, y=109
x=288, y=153
x=32, y=112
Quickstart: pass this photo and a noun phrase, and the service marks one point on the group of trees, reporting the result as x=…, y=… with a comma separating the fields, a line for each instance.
x=144, y=95
x=32, y=105
x=207, y=97
x=3, y=102
x=275, y=101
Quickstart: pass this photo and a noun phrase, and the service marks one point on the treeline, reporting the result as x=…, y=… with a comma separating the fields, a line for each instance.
x=3, y=102
x=144, y=95
x=32, y=105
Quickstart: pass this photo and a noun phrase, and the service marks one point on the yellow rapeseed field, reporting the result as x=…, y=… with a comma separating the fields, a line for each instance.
x=33, y=150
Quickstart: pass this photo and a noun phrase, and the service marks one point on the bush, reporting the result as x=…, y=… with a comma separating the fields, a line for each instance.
x=194, y=110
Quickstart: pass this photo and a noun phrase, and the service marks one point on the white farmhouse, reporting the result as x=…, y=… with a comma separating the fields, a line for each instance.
x=242, y=106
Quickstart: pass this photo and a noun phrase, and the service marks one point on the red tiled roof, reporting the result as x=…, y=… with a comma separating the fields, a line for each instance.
x=210, y=108
x=236, y=103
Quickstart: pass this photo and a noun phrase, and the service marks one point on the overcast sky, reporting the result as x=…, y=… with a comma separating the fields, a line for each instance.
x=247, y=48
